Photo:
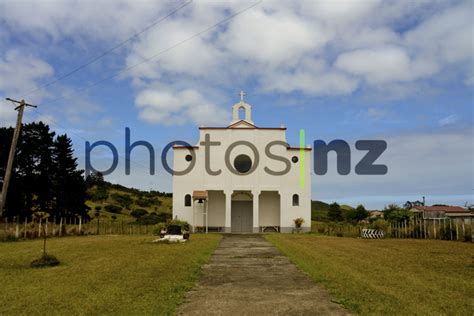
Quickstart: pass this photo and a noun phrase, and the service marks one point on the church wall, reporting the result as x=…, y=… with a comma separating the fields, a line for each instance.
x=216, y=208
x=269, y=209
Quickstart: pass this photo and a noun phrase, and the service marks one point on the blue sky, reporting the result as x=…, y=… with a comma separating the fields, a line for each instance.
x=399, y=71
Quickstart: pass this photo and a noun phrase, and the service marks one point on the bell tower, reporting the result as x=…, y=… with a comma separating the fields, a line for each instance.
x=244, y=107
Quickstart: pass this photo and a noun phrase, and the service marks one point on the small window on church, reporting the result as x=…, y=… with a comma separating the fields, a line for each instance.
x=296, y=200
x=188, y=157
x=294, y=159
x=241, y=113
x=187, y=200
x=242, y=163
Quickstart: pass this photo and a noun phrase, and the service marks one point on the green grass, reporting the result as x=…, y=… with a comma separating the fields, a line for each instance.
x=120, y=275
x=392, y=276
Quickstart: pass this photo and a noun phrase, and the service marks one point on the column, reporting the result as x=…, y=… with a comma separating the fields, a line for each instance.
x=256, y=225
x=228, y=205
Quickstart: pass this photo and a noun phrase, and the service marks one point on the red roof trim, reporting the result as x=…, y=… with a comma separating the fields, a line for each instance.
x=439, y=208
x=251, y=128
x=299, y=148
x=185, y=147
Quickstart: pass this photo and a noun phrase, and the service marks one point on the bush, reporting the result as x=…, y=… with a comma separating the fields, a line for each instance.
x=113, y=209
x=184, y=226
x=123, y=199
x=139, y=212
x=99, y=194
x=153, y=218
x=379, y=224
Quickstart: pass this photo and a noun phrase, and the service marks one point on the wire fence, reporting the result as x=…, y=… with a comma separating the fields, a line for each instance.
x=16, y=229
x=457, y=229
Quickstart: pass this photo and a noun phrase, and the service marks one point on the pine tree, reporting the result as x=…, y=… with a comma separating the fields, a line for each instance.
x=69, y=184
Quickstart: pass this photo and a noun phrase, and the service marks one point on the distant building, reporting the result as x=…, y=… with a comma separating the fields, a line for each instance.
x=441, y=211
x=375, y=214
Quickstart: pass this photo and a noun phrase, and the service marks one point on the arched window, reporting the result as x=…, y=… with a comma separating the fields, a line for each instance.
x=242, y=113
x=296, y=200
x=187, y=200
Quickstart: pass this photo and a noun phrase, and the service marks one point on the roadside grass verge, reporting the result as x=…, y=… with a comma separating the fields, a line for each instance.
x=390, y=276
x=112, y=274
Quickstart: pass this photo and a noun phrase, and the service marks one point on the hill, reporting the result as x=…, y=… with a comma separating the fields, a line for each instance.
x=113, y=201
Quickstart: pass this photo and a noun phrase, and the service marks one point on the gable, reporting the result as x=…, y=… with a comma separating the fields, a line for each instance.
x=242, y=124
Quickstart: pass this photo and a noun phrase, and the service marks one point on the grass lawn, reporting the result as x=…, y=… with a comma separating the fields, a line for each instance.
x=391, y=276
x=121, y=275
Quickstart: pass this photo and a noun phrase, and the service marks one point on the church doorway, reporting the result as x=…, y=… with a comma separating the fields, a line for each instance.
x=242, y=217
x=242, y=213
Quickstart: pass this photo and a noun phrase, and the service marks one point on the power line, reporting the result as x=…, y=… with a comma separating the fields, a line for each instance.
x=230, y=17
x=103, y=54
x=148, y=59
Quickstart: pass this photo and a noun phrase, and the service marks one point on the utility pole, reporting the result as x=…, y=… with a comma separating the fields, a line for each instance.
x=8, y=172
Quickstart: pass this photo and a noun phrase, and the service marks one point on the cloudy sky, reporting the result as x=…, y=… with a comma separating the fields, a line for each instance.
x=401, y=71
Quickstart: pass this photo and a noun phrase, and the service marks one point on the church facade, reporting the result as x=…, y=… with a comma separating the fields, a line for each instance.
x=242, y=178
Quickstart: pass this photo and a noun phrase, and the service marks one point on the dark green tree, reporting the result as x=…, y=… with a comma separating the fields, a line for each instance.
x=358, y=214
x=69, y=184
x=335, y=212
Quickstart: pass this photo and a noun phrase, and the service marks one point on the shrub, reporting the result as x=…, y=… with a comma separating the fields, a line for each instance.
x=123, y=199
x=298, y=221
x=99, y=194
x=113, y=209
x=139, y=212
x=379, y=224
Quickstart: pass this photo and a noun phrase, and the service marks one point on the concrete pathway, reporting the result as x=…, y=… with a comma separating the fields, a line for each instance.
x=247, y=275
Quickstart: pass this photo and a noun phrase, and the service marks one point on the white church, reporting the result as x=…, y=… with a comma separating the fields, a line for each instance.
x=242, y=178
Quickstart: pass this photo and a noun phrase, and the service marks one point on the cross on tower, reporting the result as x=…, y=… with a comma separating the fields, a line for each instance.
x=242, y=94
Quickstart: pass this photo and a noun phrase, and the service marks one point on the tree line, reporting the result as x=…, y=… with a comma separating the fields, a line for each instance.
x=45, y=175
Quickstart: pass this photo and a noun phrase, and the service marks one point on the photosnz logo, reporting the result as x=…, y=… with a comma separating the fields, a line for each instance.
x=366, y=166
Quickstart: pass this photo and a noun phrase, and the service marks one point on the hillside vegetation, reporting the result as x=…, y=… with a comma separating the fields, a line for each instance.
x=116, y=202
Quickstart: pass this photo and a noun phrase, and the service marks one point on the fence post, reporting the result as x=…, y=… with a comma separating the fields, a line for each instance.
x=463, y=230
x=80, y=225
x=6, y=228
x=457, y=230
x=39, y=227
x=451, y=228
x=17, y=228
x=46, y=228
x=26, y=224
x=60, y=226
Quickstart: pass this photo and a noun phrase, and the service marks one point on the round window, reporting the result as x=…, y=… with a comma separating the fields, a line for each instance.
x=242, y=163
x=188, y=157
x=294, y=159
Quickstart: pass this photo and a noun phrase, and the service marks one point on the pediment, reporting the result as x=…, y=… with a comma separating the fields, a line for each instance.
x=242, y=124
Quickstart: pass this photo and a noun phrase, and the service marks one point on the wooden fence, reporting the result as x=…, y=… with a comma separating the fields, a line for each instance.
x=439, y=228
x=444, y=229
x=14, y=229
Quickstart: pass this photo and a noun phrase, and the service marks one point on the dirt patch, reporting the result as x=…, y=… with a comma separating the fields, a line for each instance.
x=248, y=276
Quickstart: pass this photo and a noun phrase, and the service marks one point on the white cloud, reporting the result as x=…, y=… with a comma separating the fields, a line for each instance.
x=170, y=107
x=317, y=48
x=19, y=72
x=384, y=65
x=448, y=120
